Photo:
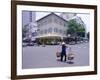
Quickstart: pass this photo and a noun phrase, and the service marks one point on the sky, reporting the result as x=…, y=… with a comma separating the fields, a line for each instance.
x=85, y=18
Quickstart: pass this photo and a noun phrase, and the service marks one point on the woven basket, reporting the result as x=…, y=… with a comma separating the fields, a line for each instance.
x=71, y=56
x=58, y=54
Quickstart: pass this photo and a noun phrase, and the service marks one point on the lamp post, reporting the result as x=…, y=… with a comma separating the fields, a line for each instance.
x=68, y=40
x=68, y=35
x=61, y=38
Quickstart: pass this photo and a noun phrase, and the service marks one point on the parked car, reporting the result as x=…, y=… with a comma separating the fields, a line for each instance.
x=85, y=39
x=24, y=44
x=30, y=44
x=70, y=40
x=26, y=40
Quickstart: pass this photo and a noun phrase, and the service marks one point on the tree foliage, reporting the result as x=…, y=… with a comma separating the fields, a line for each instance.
x=75, y=28
x=25, y=30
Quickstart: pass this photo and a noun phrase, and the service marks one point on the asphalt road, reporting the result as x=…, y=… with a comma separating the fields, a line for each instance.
x=44, y=57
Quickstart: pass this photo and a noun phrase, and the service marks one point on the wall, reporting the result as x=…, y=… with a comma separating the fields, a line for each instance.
x=5, y=40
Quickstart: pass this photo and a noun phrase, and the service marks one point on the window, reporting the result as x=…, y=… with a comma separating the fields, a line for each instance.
x=30, y=14
x=50, y=30
x=60, y=31
x=55, y=30
x=65, y=24
x=64, y=32
x=60, y=22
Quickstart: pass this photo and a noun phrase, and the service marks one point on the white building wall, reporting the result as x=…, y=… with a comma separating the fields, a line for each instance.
x=52, y=22
x=60, y=27
x=53, y=26
x=45, y=27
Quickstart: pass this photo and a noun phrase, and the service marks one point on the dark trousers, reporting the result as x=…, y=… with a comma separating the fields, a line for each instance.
x=63, y=56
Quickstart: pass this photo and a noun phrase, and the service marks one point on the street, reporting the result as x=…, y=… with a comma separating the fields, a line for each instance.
x=44, y=57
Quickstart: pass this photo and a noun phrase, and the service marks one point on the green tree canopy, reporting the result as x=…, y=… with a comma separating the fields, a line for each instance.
x=24, y=31
x=74, y=27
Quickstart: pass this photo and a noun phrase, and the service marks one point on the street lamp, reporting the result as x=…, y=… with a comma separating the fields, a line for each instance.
x=61, y=38
x=68, y=35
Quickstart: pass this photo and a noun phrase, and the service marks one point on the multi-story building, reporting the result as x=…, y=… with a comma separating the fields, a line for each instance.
x=68, y=16
x=28, y=22
x=28, y=17
x=51, y=28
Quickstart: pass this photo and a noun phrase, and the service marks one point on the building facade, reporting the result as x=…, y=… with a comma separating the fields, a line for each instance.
x=67, y=16
x=28, y=17
x=29, y=23
x=51, y=28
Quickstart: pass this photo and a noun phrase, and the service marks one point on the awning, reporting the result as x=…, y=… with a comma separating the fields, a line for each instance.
x=51, y=35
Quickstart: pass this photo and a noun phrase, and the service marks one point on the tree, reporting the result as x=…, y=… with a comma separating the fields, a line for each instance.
x=81, y=32
x=25, y=30
x=75, y=29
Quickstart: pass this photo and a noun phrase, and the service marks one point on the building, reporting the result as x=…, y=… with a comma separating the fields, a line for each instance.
x=52, y=28
x=73, y=16
x=28, y=23
x=28, y=17
x=68, y=16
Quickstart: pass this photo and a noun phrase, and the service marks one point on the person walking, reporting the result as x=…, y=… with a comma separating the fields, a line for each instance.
x=63, y=52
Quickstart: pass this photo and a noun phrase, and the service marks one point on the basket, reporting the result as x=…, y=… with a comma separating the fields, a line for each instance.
x=58, y=54
x=71, y=56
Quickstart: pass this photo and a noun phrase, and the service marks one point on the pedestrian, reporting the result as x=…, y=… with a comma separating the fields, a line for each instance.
x=63, y=52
